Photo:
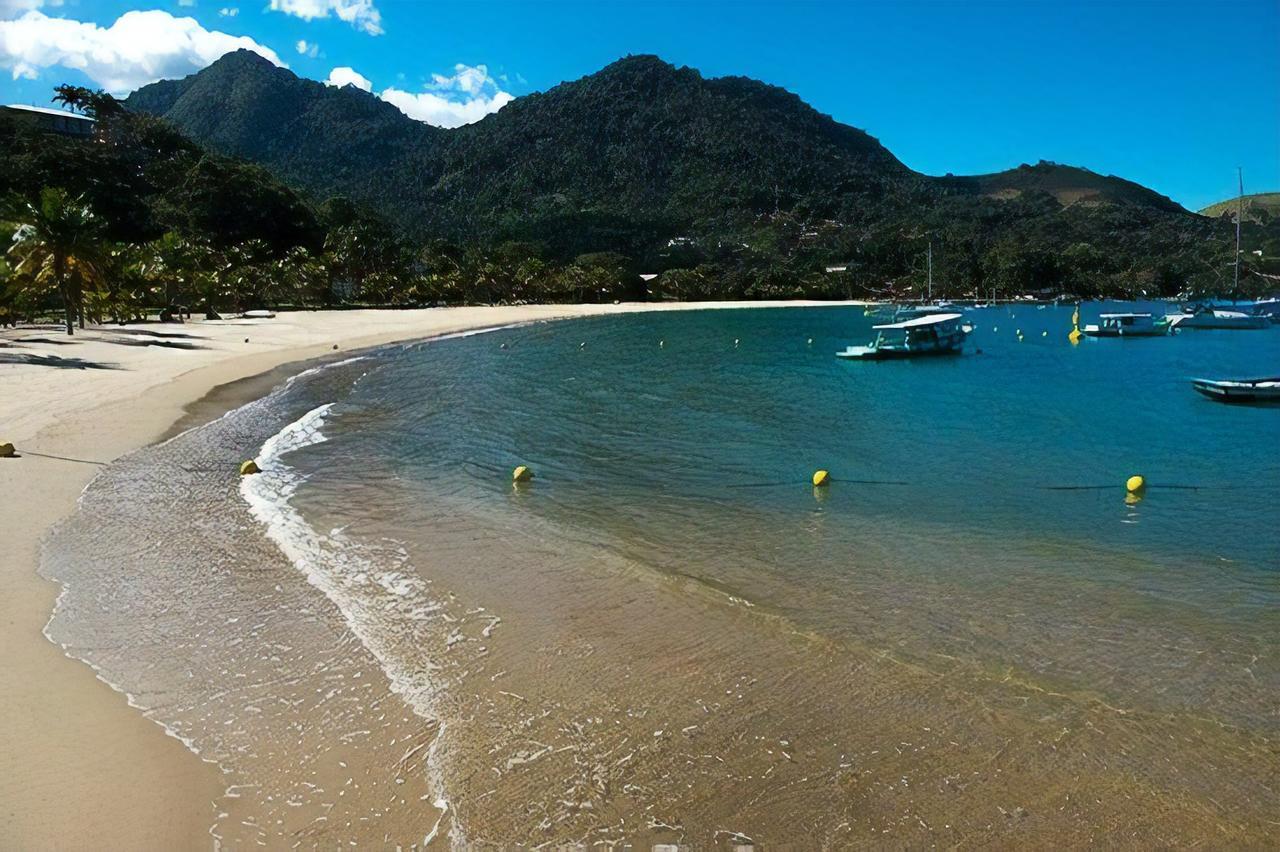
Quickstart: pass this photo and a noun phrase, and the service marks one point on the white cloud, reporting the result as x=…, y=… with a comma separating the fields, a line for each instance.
x=187, y=3
x=452, y=100
x=346, y=76
x=442, y=112
x=307, y=48
x=14, y=8
x=229, y=11
x=361, y=14
x=139, y=48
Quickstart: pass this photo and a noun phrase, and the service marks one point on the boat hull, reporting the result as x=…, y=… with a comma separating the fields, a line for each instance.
x=1213, y=322
x=1257, y=391
x=1091, y=331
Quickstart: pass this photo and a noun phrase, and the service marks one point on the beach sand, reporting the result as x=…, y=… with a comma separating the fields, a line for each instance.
x=79, y=768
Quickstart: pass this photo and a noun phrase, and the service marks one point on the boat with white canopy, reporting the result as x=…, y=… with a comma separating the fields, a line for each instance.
x=937, y=334
x=1128, y=325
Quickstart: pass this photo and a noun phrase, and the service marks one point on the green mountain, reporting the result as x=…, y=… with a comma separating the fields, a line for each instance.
x=640, y=150
x=1067, y=184
x=1260, y=207
x=761, y=189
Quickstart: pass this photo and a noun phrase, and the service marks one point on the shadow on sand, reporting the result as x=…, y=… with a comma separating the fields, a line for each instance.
x=54, y=361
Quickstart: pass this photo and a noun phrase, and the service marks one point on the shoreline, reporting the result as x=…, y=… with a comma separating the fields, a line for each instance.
x=71, y=737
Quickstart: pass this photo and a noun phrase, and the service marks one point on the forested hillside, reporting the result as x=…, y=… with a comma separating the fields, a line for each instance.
x=671, y=169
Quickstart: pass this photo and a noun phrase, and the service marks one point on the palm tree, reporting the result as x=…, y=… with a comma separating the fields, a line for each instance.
x=58, y=244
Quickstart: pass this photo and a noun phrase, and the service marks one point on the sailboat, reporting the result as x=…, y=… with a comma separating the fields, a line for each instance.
x=1207, y=316
x=929, y=307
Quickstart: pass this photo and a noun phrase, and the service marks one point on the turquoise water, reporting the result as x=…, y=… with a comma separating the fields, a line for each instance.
x=670, y=635
x=978, y=508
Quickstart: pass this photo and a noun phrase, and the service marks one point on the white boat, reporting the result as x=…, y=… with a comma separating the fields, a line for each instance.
x=937, y=334
x=1127, y=325
x=1206, y=317
x=1269, y=308
x=905, y=312
x=1239, y=390
x=258, y=314
x=929, y=307
x=1209, y=316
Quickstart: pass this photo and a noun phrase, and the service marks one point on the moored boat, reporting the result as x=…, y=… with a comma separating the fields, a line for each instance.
x=1207, y=317
x=937, y=334
x=1128, y=325
x=1239, y=390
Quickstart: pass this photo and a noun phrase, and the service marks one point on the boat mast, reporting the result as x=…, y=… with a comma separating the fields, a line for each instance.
x=1239, y=215
x=931, y=266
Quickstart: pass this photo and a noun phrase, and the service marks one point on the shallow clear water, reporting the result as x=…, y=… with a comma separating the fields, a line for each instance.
x=625, y=646
x=692, y=459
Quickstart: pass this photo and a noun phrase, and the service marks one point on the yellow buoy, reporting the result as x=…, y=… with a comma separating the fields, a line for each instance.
x=249, y=467
x=521, y=474
x=7, y=451
x=821, y=478
x=1135, y=484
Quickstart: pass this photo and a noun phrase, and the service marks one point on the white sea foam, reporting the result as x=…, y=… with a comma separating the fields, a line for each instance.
x=385, y=609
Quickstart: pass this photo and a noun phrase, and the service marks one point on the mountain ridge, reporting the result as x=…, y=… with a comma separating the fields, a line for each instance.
x=711, y=146
x=641, y=153
x=1258, y=207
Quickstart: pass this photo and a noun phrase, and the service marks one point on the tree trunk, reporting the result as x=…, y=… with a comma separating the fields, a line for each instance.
x=60, y=276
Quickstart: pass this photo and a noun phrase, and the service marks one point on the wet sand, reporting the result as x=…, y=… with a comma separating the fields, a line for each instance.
x=80, y=768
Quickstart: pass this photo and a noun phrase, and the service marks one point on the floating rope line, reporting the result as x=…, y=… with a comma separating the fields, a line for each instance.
x=786, y=483
x=1157, y=487
x=22, y=452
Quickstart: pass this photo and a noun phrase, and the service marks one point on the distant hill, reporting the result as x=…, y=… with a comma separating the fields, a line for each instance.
x=640, y=144
x=1258, y=207
x=641, y=152
x=1067, y=184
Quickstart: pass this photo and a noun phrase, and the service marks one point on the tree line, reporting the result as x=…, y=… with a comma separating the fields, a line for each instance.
x=140, y=218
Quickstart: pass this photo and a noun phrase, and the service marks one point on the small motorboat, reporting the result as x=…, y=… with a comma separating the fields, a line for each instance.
x=1204, y=316
x=1128, y=325
x=936, y=334
x=259, y=314
x=1239, y=390
x=906, y=312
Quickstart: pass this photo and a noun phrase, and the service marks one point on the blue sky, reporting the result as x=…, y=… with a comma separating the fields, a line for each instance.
x=1172, y=95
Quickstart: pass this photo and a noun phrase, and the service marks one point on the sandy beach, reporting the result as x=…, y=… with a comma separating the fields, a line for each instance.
x=71, y=405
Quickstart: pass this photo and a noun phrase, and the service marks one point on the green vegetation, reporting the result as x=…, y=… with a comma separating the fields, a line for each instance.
x=757, y=190
x=1261, y=207
x=58, y=246
x=244, y=186
x=141, y=217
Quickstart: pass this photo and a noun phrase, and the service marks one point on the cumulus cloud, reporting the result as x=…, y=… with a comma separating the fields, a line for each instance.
x=307, y=48
x=229, y=11
x=361, y=14
x=139, y=48
x=346, y=76
x=452, y=100
x=14, y=8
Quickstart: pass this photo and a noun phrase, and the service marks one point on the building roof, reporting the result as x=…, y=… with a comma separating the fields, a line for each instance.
x=60, y=113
